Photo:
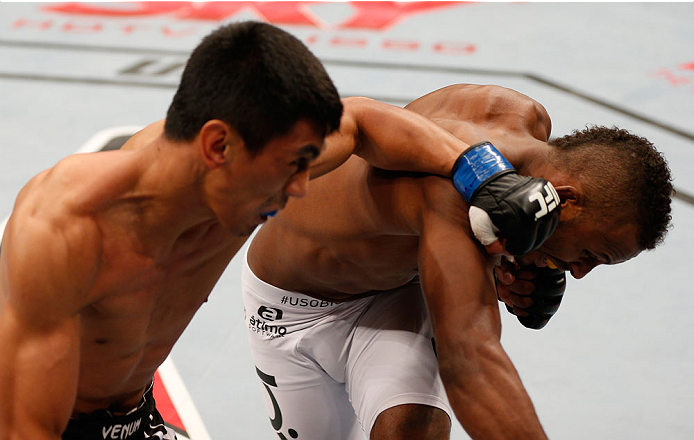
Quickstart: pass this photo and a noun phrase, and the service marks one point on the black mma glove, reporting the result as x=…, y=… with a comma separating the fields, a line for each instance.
x=549, y=290
x=524, y=209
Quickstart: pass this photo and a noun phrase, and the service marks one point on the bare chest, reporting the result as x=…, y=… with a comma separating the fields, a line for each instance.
x=139, y=293
x=139, y=310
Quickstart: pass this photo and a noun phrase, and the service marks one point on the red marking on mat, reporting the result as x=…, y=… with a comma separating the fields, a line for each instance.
x=351, y=42
x=400, y=45
x=375, y=15
x=164, y=404
x=687, y=66
x=672, y=78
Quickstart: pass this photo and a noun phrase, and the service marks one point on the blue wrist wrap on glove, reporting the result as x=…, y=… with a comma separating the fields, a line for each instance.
x=480, y=162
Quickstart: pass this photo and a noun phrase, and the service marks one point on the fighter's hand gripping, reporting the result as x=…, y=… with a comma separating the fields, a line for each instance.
x=549, y=286
x=504, y=205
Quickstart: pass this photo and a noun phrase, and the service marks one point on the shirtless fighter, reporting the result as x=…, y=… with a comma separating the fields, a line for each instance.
x=339, y=329
x=107, y=256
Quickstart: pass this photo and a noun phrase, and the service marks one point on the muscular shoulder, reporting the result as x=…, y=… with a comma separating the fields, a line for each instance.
x=81, y=183
x=49, y=263
x=50, y=250
x=489, y=106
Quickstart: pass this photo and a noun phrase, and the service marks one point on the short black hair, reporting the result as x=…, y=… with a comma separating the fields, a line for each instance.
x=625, y=176
x=258, y=79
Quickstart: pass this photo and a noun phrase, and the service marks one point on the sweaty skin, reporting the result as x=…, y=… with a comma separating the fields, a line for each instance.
x=107, y=256
x=362, y=230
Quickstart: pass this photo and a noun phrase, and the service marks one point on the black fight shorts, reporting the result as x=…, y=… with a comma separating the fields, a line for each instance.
x=143, y=422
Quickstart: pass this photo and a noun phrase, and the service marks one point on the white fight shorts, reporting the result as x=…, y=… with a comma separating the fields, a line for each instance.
x=326, y=365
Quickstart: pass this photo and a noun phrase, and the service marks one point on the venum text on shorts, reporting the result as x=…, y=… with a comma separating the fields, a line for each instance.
x=119, y=431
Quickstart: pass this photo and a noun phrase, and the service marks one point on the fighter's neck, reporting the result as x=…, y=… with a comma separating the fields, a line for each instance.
x=528, y=158
x=166, y=207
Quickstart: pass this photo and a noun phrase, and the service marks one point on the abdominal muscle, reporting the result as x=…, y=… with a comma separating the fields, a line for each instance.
x=119, y=356
x=129, y=331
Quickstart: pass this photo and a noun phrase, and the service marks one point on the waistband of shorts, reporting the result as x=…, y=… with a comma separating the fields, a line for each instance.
x=146, y=404
x=277, y=296
x=105, y=424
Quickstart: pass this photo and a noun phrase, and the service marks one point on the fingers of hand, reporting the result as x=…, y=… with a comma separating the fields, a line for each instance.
x=505, y=271
x=495, y=248
x=518, y=311
x=504, y=276
x=516, y=294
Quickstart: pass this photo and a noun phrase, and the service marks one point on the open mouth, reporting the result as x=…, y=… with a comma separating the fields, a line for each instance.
x=555, y=263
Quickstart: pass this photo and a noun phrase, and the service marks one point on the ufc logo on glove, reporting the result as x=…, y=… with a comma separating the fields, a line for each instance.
x=547, y=202
x=502, y=201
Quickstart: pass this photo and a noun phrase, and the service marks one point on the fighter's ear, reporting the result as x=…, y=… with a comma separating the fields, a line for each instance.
x=218, y=142
x=572, y=201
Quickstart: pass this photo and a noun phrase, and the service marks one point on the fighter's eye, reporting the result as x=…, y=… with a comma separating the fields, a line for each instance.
x=589, y=255
x=301, y=163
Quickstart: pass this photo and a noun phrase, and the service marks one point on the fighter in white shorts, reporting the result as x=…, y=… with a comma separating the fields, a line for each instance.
x=326, y=364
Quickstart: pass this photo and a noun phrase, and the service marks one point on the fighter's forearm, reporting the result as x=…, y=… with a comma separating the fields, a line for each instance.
x=18, y=420
x=38, y=377
x=486, y=393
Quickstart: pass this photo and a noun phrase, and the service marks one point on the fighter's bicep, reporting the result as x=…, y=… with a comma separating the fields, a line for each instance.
x=457, y=280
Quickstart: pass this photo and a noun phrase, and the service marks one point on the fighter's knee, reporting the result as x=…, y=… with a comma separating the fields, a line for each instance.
x=406, y=422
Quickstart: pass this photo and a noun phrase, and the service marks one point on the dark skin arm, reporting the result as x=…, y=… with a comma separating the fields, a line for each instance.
x=482, y=384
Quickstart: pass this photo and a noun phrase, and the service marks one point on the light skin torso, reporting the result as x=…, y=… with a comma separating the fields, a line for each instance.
x=136, y=302
x=142, y=307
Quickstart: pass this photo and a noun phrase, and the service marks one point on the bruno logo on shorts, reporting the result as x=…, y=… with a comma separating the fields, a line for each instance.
x=261, y=326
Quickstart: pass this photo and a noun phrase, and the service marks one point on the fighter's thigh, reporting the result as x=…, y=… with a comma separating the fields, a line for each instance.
x=393, y=363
